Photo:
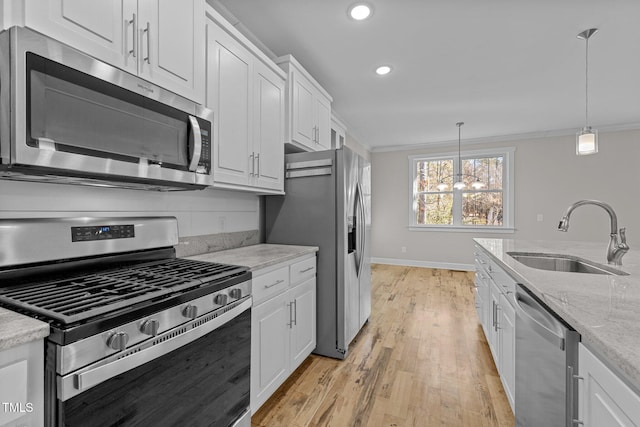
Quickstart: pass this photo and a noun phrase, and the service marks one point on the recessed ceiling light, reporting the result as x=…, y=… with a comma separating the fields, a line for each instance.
x=383, y=69
x=360, y=11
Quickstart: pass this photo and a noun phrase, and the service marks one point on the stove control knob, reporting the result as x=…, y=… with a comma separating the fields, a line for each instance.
x=220, y=299
x=150, y=327
x=235, y=293
x=118, y=340
x=190, y=311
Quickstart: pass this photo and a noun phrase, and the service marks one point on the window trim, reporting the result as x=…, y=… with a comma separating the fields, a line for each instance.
x=508, y=199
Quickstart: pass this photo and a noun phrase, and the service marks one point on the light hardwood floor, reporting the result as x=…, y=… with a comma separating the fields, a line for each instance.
x=421, y=360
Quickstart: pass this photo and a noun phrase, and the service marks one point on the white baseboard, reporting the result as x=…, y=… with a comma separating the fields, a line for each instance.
x=425, y=264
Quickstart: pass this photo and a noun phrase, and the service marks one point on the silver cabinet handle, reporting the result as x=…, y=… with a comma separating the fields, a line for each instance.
x=307, y=269
x=290, y=324
x=277, y=282
x=295, y=312
x=258, y=160
x=195, y=143
x=252, y=161
x=571, y=377
x=133, y=23
x=147, y=58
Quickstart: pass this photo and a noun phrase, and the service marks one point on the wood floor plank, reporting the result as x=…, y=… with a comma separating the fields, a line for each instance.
x=421, y=360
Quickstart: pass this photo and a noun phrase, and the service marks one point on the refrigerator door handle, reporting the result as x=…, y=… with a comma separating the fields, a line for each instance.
x=361, y=230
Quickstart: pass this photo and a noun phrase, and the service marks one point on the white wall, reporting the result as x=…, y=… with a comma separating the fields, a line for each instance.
x=198, y=212
x=548, y=178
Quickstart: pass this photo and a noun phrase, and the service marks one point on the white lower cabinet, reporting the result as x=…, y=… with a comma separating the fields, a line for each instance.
x=22, y=385
x=283, y=324
x=507, y=324
x=496, y=311
x=605, y=400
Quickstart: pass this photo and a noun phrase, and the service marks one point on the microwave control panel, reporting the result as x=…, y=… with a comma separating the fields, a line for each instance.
x=205, y=155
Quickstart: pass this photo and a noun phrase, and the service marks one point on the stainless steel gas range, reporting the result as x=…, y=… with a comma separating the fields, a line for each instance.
x=138, y=336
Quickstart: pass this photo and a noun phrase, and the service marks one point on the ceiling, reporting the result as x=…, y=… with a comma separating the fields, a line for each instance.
x=507, y=68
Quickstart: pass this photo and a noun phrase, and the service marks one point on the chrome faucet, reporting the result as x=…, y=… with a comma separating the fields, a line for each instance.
x=615, y=249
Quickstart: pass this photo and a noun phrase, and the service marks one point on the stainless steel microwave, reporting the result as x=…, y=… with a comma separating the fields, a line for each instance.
x=66, y=117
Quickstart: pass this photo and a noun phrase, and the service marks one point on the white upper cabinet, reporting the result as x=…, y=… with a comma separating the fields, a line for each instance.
x=172, y=45
x=229, y=84
x=308, y=108
x=268, y=127
x=245, y=91
x=160, y=40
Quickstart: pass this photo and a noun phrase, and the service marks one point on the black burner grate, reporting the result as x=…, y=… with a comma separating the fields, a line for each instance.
x=84, y=296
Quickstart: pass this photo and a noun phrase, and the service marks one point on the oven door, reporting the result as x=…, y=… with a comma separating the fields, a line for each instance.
x=71, y=112
x=197, y=374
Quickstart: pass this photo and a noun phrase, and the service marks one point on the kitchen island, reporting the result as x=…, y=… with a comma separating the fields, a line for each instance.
x=604, y=309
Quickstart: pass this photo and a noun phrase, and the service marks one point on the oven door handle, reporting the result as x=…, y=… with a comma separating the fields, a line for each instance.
x=93, y=375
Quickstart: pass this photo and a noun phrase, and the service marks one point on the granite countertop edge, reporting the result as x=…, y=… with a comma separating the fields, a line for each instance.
x=17, y=329
x=581, y=299
x=257, y=257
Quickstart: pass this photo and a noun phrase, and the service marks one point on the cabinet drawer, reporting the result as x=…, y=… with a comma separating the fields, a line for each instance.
x=505, y=283
x=303, y=270
x=481, y=257
x=270, y=284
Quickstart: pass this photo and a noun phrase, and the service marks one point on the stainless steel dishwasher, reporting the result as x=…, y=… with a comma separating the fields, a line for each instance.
x=546, y=362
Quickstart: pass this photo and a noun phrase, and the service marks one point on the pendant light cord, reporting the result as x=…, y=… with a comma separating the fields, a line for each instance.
x=459, y=124
x=586, y=84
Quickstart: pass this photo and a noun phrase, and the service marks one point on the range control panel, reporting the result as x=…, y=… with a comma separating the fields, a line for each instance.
x=102, y=232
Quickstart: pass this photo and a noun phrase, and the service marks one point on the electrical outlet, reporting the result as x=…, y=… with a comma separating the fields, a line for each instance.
x=539, y=217
x=222, y=222
x=403, y=249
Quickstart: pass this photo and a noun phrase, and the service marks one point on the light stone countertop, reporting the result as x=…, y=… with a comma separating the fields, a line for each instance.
x=257, y=257
x=16, y=329
x=604, y=309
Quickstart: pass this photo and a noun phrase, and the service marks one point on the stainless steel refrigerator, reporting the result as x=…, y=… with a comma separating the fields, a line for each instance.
x=328, y=204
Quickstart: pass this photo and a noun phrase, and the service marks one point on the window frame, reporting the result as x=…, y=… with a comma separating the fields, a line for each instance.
x=508, y=185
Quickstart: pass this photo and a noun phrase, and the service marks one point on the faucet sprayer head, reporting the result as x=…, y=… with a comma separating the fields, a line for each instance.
x=564, y=224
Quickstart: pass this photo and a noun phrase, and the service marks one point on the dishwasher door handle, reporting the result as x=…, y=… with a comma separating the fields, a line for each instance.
x=523, y=303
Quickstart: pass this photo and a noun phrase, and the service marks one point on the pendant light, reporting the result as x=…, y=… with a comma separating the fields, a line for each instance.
x=586, y=138
x=459, y=185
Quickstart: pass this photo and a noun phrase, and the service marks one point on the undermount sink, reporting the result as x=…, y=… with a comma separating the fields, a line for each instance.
x=567, y=263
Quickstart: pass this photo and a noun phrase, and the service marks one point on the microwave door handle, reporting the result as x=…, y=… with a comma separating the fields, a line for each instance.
x=195, y=139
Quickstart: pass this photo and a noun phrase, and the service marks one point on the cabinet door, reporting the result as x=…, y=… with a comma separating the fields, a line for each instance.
x=303, y=331
x=508, y=348
x=323, y=111
x=303, y=114
x=605, y=400
x=171, y=39
x=269, y=348
x=268, y=126
x=229, y=89
x=102, y=28
x=494, y=324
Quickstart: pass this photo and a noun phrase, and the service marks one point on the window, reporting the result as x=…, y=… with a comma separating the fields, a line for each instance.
x=435, y=204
